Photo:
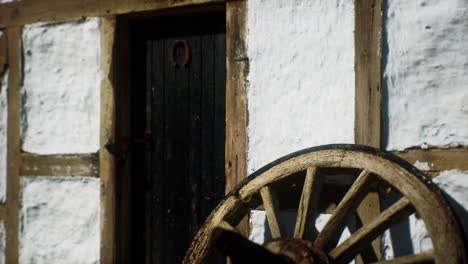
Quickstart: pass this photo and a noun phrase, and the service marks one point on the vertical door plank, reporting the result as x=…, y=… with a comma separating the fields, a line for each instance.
x=156, y=228
x=219, y=115
x=207, y=120
x=195, y=133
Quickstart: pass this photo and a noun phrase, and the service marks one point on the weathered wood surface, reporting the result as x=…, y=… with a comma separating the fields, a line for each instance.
x=225, y=225
x=237, y=67
x=3, y=54
x=3, y=212
x=350, y=202
x=363, y=236
x=26, y=12
x=270, y=202
x=13, y=145
x=368, y=67
x=106, y=159
x=421, y=258
x=307, y=210
x=437, y=159
x=86, y=165
x=367, y=41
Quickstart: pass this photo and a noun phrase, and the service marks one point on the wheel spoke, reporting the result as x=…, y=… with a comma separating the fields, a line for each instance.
x=335, y=225
x=270, y=203
x=346, y=251
x=308, y=205
x=225, y=225
x=421, y=258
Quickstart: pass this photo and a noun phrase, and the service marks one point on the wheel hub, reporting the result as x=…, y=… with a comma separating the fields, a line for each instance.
x=297, y=250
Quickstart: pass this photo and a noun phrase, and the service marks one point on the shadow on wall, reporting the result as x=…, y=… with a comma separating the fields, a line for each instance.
x=384, y=96
x=460, y=213
x=402, y=236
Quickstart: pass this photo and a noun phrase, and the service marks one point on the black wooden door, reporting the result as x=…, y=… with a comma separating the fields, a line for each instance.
x=185, y=113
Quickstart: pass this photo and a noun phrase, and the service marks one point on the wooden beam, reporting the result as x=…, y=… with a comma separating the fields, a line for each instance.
x=26, y=12
x=237, y=67
x=368, y=64
x=3, y=212
x=3, y=54
x=59, y=165
x=13, y=145
x=437, y=159
x=106, y=159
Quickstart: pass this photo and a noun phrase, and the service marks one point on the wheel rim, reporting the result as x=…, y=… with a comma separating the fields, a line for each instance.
x=418, y=195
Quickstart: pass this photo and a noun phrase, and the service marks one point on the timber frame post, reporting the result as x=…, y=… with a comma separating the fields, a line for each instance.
x=368, y=66
x=236, y=99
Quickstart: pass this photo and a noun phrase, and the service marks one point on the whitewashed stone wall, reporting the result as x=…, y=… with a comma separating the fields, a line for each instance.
x=60, y=114
x=425, y=74
x=3, y=135
x=301, y=80
x=62, y=78
x=426, y=100
x=59, y=220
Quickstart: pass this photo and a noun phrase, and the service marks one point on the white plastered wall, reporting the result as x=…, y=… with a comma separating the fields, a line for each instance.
x=59, y=220
x=60, y=96
x=426, y=96
x=425, y=73
x=301, y=81
x=60, y=114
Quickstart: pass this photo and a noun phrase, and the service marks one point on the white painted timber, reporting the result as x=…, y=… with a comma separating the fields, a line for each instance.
x=59, y=220
x=301, y=79
x=61, y=92
x=3, y=135
x=425, y=73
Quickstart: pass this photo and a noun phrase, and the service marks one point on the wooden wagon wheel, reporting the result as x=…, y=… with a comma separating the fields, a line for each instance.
x=369, y=170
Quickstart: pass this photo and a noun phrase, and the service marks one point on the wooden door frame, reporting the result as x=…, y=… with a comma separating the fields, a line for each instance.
x=114, y=205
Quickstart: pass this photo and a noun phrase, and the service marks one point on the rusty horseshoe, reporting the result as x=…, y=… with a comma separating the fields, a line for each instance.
x=174, y=45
